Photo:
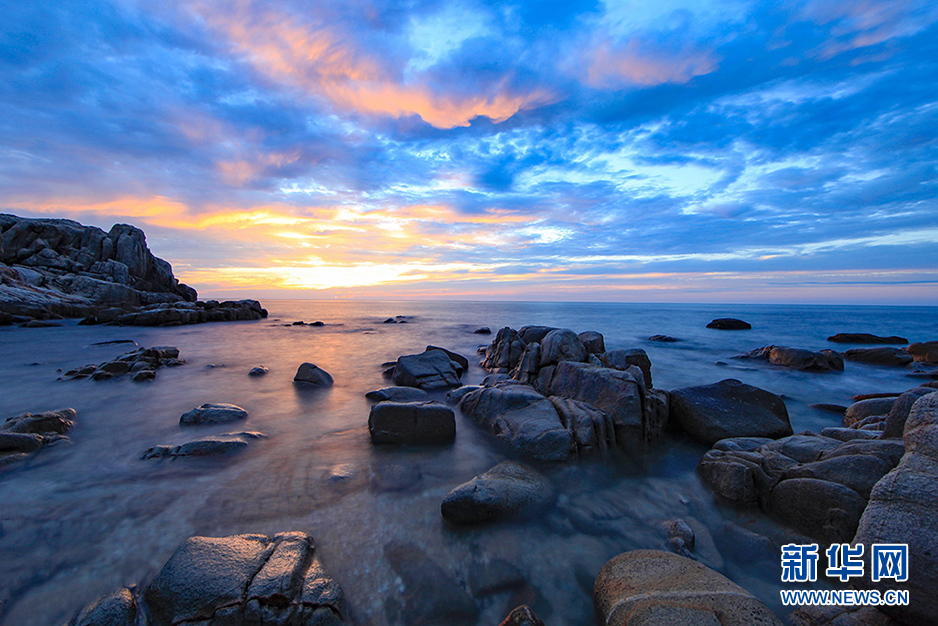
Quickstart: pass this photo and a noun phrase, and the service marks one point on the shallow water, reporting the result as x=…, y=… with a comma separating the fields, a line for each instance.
x=78, y=521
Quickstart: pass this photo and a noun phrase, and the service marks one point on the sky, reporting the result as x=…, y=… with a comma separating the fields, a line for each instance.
x=660, y=151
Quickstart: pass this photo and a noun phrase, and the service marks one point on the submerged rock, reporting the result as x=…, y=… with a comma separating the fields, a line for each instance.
x=663, y=338
x=646, y=587
x=411, y=423
x=729, y=408
x=483, y=330
x=260, y=370
x=311, y=374
x=214, y=445
x=729, y=323
x=213, y=413
x=507, y=490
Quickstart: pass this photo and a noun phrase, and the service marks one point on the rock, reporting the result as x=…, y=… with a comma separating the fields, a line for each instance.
x=141, y=362
x=592, y=341
x=213, y=413
x=484, y=330
x=397, y=394
x=926, y=352
x=858, y=411
x=729, y=408
x=429, y=595
x=503, y=354
x=311, y=374
x=57, y=422
x=849, y=434
x=19, y=442
x=143, y=376
x=432, y=369
x=521, y=417
x=215, y=445
x=651, y=587
x=729, y=323
x=893, y=357
x=260, y=370
x=797, y=358
x=899, y=412
x=244, y=579
x=561, y=345
x=180, y=313
x=116, y=609
x=411, y=423
x=866, y=338
x=522, y=616
x=681, y=537
x=453, y=356
x=592, y=429
x=534, y=334
x=455, y=396
x=663, y=338
x=622, y=359
x=856, y=471
x=830, y=408
x=901, y=510
x=819, y=508
x=507, y=490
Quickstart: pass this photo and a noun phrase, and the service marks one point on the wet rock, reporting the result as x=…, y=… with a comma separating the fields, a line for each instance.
x=866, y=338
x=213, y=413
x=926, y=352
x=729, y=323
x=858, y=411
x=902, y=510
x=411, y=423
x=430, y=596
x=646, y=587
x=483, y=330
x=507, y=490
x=50, y=422
x=260, y=370
x=311, y=374
x=892, y=357
x=899, y=412
x=19, y=442
x=522, y=616
x=397, y=394
x=215, y=445
x=797, y=358
x=663, y=338
x=245, y=579
x=593, y=342
x=432, y=369
x=728, y=408
x=143, y=376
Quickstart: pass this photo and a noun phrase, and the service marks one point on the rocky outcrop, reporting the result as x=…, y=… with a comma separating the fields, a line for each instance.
x=902, y=510
x=798, y=358
x=866, y=338
x=215, y=445
x=53, y=268
x=141, y=364
x=507, y=490
x=233, y=581
x=818, y=485
x=213, y=413
x=729, y=323
x=729, y=408
x=435, y=368
x=411, y=423
x=646, y=587
x=892, y=357
x=25, y=434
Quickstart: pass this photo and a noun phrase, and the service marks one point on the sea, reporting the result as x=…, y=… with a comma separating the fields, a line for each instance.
x=81, y=520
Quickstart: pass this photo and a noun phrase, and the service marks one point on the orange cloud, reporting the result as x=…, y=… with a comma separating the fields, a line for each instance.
x=320, y=61
x=609, y=66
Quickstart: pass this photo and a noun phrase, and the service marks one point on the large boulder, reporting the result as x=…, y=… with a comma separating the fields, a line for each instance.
x=652, y=587
x=902, y=510
x=411, y=423
x=213, y=413
x=893, y=357
x=432, y=369
x=507, y=490
x=729, y=408
x=798, y=358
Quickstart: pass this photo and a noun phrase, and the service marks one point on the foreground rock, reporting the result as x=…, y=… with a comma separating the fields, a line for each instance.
x=310, y=374
x=213, y=413
x=866, y=338
x=412, y=423
x=902, y=510
x=818, y=485
x=215, y=445
x=141, y=364
x=729, y=408
x=729, y=323
x=51, y=268
x=23, y=435
x=798, y=358
x=507, y=490
x=231, y=581
x=435, y=368
x=651, y=587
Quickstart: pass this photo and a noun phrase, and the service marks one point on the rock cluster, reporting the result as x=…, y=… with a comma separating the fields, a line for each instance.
x=729, y=323
x=53, y=268
x=814, y=483
x=798, y=358
x=23, y=435
x=563, y=400
x=233, y=581
x=141, y=364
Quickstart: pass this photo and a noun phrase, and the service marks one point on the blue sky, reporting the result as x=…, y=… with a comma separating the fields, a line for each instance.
x=637, y=151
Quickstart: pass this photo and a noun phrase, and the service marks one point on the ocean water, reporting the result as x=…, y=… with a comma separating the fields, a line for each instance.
x=78, y=521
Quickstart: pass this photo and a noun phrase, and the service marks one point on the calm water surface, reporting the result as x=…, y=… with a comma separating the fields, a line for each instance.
x=79, y=521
